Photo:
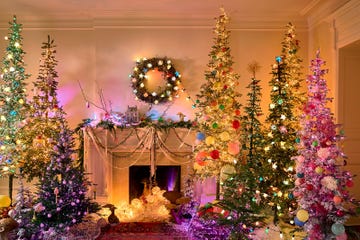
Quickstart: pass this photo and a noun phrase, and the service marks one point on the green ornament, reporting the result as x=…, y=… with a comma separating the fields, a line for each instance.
x=161, y=119
x=222, y=107
x=215, y=125
x=297, y=140
x=280, y=101
x=315, y=143
x=197, y=101
x=342, y=132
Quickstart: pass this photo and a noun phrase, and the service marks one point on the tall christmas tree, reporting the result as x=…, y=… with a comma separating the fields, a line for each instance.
x=41, y=132
x=244, y=190
x=321, y=184
x=289, y=51
x=62, y=200
x=279, y=149
x=218, y=109
x=12, y=102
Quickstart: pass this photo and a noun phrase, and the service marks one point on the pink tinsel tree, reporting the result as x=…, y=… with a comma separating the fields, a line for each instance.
x=321, y=184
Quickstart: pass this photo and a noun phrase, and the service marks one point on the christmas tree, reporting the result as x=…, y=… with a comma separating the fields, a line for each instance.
x=23, y=212
x=278, y=166
x=62, y=200
x=42, y=129
x=218, y=109
x=321, y=184
x=243, y=191
x=290, y=48
x=12, y=102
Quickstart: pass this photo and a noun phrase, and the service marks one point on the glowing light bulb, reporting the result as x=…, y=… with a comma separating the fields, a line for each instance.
x=16, y=44
x=9, y=56
x=156, y=101
x=142, y=85
x=12, y=69
x=5, y=168
x=6, y=38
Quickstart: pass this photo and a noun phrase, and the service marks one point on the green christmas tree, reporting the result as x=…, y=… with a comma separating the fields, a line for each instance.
x=13, y=105
x=218, y=112
x=279, y=147
x=289, y=52
x=42, y=129
x=62, y=200
x=243, y=191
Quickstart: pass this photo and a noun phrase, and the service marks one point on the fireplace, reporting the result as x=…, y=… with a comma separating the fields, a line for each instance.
x=167, y=178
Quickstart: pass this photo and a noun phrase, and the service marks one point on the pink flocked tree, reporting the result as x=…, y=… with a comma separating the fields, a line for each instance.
x=321, y=183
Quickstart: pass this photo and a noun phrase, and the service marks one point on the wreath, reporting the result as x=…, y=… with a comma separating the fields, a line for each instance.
x=164, y=93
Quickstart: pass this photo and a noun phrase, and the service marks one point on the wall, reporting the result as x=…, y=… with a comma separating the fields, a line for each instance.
x=101, y=58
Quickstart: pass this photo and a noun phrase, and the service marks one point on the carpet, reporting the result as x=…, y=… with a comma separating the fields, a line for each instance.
x=141, y=230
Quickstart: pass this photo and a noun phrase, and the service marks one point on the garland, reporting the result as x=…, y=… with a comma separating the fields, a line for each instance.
x=164, y=93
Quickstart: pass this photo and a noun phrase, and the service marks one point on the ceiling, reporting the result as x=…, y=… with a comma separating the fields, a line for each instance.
x=90, y=13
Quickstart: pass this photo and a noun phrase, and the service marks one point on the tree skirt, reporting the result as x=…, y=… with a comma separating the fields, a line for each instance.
x=142, y=230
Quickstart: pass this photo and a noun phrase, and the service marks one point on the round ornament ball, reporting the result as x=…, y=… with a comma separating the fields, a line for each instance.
x=200, y=136
x=215, y=125
x=5, y=201
x=225, y=136
x=302, y=215
x=298, y=222
x=209, y=140
x=338, y=229
x=337, y=199
x=235, y=124
x=233, y=148
x=226, y=171
x=237, y=112
x=319, y=170
x=342, y=237
x=214, y=154
x=349, y=183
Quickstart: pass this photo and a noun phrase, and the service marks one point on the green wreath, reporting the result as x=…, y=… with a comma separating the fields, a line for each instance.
x=164, y=93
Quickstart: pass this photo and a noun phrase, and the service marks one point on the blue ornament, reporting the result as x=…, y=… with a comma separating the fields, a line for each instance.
x=177, y=74
x=291, y=195
x=338, y=228
x=300, y=175
x=261, y=179
x=145, y=70
x=298, y=222
x=13, y=113
x=200, y=136
x=278, y=59
x=8, y=161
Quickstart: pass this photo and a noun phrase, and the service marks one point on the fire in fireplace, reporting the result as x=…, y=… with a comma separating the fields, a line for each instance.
x=167, y=178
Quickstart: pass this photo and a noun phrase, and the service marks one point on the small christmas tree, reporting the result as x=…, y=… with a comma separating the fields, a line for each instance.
x=62, y=200
x=278, y=166
x=23, y=212
x=12, y=102
x=321, y=184
x=243, y=191
x=42, y=129
x=218, y=109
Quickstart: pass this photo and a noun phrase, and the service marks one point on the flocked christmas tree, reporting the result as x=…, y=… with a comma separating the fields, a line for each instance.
x=218, y=110
x=62, y=200
x=244, y=190
x=12, y=102
x=41, y=131
x=321, y=184
x=23, y=212
x=278, y=166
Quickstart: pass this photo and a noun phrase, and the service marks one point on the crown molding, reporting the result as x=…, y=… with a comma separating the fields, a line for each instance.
x=86, y=22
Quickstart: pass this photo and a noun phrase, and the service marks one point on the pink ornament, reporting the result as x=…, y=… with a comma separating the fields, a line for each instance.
x=323, y=153
x=233, y=148
x=341, y=237
x=283, y=129
x=300, y=159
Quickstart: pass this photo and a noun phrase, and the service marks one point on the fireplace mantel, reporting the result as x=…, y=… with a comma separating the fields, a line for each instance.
x=109, y=154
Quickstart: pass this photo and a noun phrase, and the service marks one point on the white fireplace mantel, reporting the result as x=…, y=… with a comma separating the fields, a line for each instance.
x=109, y=154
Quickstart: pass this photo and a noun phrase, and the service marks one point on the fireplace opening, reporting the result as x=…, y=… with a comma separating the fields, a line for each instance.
x=167, y=178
